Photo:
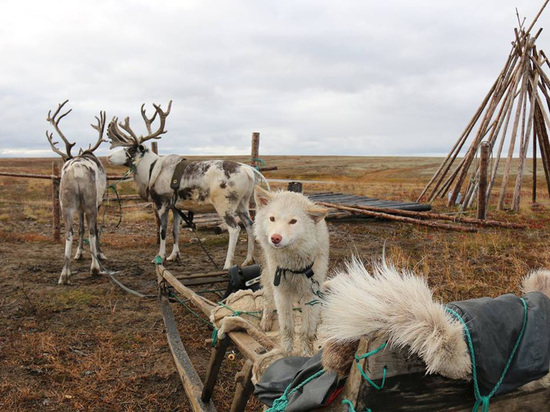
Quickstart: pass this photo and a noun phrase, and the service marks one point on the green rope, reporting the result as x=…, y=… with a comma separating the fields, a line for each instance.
x=364, y=375
x=241, y=312
x=260, y=161
x=281, y=402
x=350, y=406
x=214, y=336
x=190, y=310
x=483, y=401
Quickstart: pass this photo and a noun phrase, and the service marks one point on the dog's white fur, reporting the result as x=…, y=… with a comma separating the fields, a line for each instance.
x=304, y=239
x=399, y=306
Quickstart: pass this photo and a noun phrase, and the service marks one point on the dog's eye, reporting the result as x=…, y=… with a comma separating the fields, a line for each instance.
x=272, y=218
x=293, y=221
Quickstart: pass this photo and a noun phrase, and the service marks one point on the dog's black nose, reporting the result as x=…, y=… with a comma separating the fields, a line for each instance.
x=276, y=239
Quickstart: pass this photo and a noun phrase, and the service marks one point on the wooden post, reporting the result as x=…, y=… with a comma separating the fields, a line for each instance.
x=534, y=197
x=244, y=387
x=55, y=203
x=295, y=187
x=482, y=189
x=255, y=152
x=216, y=358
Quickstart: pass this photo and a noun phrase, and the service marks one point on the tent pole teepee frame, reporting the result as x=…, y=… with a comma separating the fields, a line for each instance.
x=514, y=111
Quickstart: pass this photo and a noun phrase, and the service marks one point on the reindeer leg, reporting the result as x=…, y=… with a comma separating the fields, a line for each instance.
x=234, y=229
x=68, y=216
x=80, y=249
x=163, y=216
x=175, y=255
x=247, y=222
x=91, y=218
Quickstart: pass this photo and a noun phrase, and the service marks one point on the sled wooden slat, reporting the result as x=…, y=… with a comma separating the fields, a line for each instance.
x=408, y=388
x=188, y=375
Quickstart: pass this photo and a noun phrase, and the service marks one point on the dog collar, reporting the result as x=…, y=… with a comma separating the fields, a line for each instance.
x=308, y=271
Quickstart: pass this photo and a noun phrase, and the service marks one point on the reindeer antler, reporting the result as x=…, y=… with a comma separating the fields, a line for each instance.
x=118, y=137
x=55, y=124
x=100, y=128
x=162, y=118
x=127, y=137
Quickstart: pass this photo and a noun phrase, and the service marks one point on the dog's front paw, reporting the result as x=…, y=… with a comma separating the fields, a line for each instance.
x=267, y=322
x=306, y=347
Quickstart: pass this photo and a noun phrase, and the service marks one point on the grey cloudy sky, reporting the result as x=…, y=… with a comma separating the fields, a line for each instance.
x=357, y=77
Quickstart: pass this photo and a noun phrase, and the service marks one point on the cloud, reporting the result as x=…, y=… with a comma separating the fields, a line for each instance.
x=314, y=77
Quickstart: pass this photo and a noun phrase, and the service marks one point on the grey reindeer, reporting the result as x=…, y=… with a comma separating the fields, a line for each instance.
x=82, y=186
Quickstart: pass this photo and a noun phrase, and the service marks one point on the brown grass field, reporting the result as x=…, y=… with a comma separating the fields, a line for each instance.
x=90, y=346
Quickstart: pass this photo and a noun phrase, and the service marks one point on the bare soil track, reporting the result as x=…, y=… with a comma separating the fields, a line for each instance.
x=92, y=347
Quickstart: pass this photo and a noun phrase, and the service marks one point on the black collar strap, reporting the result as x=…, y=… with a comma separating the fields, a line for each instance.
x=308, y=271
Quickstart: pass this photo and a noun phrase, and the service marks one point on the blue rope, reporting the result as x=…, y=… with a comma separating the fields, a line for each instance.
x=483, y=401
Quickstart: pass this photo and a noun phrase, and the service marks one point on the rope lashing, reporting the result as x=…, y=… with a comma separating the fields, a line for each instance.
x=214, y=336
x=241, y=312
x=483, y=401
x=258, y=160
x=351, y=408
x=364, y=375
x=281, y=402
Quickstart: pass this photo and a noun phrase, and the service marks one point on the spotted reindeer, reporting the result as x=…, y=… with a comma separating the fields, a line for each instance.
x=81, y=190
x=227, y=185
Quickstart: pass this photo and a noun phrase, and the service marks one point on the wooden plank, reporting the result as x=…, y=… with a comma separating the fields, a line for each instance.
x=205, y=281
x=244, y=388
x=216, y=357
x=420, y=392
x=188, y=375
x=203, y=304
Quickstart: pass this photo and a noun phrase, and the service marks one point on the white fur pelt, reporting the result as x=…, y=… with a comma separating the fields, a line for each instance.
x=293, y=234
x=399, y=306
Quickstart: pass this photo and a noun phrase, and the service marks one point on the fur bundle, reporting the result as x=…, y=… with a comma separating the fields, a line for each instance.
x=399, y=307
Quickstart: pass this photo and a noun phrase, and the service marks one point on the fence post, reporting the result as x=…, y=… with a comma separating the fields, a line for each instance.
x=55, y=203
x=482, y=188
x=255, y=152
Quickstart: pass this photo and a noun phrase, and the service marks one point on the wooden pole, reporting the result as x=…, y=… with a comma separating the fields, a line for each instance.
x=255, y=152
x=387, y=216
x=482, y=190
x=55, y=203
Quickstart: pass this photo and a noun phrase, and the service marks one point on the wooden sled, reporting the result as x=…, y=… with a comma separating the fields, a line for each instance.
x=406, y=388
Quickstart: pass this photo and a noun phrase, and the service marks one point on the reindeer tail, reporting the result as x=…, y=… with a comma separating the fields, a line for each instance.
x=399, y=307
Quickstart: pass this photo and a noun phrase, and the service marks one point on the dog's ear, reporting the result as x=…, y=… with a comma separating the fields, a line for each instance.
x=261, y=197
x=317, y=213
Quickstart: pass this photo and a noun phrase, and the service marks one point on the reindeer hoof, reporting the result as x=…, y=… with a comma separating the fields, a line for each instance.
x=64, y=278
x=173, y=257
x=78, y=255
x=95, y=271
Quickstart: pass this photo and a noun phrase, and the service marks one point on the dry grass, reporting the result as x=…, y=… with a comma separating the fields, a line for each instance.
x=91, y=347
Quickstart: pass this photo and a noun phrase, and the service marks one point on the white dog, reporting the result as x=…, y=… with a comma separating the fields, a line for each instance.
x=294, y=237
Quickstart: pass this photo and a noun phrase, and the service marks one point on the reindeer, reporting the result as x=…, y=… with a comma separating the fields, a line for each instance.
x=82, y=186
x=227, y=185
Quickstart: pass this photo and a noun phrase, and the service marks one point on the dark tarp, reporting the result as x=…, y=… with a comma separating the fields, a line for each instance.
x=292, y=371
x=495, y=325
